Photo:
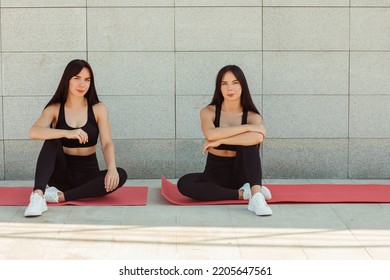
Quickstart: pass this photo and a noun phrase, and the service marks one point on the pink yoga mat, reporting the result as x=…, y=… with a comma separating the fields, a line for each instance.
x=134, y=196
x=305, y=193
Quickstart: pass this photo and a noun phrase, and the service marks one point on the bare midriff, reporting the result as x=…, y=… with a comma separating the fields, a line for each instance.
x=80, y=151
x=222, y=153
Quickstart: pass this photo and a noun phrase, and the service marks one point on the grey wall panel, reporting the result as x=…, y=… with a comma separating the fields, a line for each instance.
x=141, y=117
x=130, y=29
x=144, y=158
x=196, y=71
x=216, y=28
x=303, y=3
x=20, y=159
x=306, y=116
x=305, y=72
x=370, y=116
x=370, y=72
x=369, y=158
x=305, y=158
x=318, y=72
x=370, y=29
x=189, y=156
x=62, y=30
x=35, y=74
x=134, y=73
x=306, y=28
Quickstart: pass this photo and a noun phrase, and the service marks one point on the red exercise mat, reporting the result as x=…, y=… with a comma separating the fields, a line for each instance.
x=300, y=193
x=134, y=196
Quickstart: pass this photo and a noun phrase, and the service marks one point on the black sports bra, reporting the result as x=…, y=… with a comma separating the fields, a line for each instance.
x=216, y=123
x=91, y=128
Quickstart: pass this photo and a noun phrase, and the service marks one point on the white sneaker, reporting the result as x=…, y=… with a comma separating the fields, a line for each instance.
x=258, y=205
x=247, y=192
x=51, y=194
x=36, y=207
x=266, y=192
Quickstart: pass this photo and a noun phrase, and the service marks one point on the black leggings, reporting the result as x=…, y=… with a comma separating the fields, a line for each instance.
x=223, y=176
x=76, y=176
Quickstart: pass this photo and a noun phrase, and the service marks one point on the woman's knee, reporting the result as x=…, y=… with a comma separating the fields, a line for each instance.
x=122, y=176
x=52, y=145
x=184, y=184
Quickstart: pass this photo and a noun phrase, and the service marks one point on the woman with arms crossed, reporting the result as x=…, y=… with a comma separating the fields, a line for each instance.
x=70, y=124
x=234, y=130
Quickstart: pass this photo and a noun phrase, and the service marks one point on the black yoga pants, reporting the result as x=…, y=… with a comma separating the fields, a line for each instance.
x=76, y=176
x=223, y=176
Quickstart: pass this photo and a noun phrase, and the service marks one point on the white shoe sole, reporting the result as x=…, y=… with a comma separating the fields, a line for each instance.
x=262, y=209
x=36, y=206
x=34, y=213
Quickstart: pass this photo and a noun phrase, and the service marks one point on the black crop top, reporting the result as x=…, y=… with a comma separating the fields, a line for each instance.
x=91, y=128
x=216, y=123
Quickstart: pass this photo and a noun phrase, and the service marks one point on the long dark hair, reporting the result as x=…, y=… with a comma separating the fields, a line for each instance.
x=72, y=69
x=246, y=99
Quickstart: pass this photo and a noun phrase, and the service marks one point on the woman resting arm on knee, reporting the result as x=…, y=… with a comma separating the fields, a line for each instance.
x=71, y=123
x=234, y=130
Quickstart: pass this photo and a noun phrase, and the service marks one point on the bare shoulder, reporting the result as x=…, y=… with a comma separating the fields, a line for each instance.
x=208, y=110
x=254, y=118
x=99, y=108
x=48, y=116
x=52, y=110
x=100, y=111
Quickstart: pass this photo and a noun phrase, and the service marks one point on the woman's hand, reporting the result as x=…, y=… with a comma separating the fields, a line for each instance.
x=79, y=134
x=111, y=180
x=210, y=144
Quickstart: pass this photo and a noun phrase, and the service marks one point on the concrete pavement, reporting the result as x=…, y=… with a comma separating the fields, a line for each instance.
x=164, y=231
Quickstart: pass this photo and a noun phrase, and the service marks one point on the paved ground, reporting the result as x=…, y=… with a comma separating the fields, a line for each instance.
x=164, y=231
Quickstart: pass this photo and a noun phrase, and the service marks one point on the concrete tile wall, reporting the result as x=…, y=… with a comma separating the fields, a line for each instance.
x=63, y=29
x=130, y=29
x=370, y=116
x=369, y=158
x=312, y=3
x=1, y=118
x=20, y=158
x=207, y=29
x=306, y=116
x=189, y=149
x=42, y=3
x=305, y=28
x=145, y=158
x=369, y=73
x=318, y=71
x=134, y=73
x=132, y=3
x=305, y=158
x=40, y=67
x=370, y=29
x=20, y=114
x=141, y=117
x=2, y=165
x=371, y=3
x=196, y=71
